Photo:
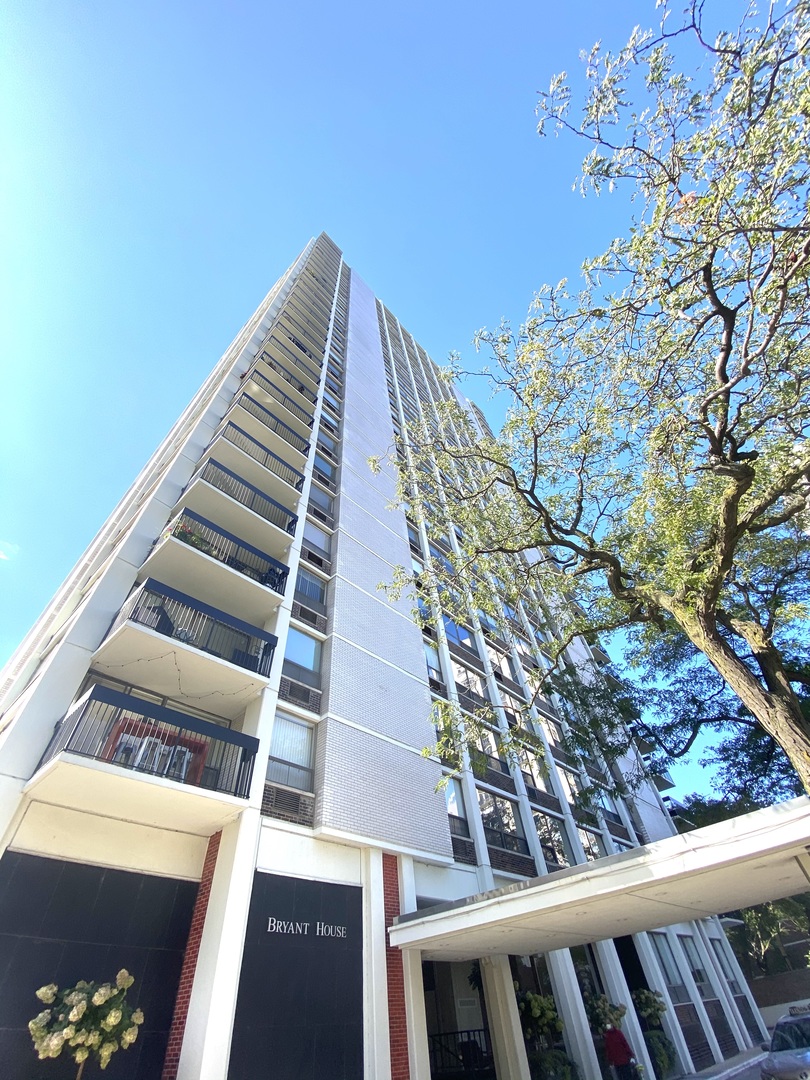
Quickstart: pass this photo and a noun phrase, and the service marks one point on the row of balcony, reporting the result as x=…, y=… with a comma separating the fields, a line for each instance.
x=222, y=551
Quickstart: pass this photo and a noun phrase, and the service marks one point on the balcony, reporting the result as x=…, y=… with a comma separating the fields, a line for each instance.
x=265, y=388
x=256, y=463
x=214, y=659
x=289, y=377
x=145, y=763
x=220, y=568
x=282, y=348
x=258, y=421
x=221, y=495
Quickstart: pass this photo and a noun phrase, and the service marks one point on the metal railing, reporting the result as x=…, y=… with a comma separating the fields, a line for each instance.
x=124, y=730
x=272, y=422
x=242, y=492
x=505, y=840
x=179, y=616
x=295, y=359
x=288, y=376
x=260, y=453
x=460, y=1053
x=273, y=391
x=199, y=533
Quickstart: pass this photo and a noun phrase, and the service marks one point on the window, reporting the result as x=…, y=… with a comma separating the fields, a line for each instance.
x=317, y=538
x=725, y=965
x=459, y=635
x=592, y=844
x=552, y=839
x=472, y=687
x=311, y=589
x=552, y=729
x=433, y=665
x=320, y=498
x=501, y=822
x=327, y=443
x=571, y=784
x=291, y=750
x=302, y=660
x=672, y=976
x=323, y=466
x=456, y=811
x=696, y=966
x=535, y=770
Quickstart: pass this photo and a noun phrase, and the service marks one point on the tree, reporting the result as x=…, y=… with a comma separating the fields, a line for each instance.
x=655, y=460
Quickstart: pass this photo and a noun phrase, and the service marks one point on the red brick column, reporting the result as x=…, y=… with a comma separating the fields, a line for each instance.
x=397, y=1021
x=177, y=1030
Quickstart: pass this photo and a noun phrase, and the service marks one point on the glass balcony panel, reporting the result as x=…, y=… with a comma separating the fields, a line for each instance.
x=126, y=731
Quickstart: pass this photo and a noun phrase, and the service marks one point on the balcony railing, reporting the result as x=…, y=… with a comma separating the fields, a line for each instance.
x=497, y=838
x=107, y=725
x=272, y=422
x=176, y=615
x=294, y=358
x=260, y=453
x=288, y=376
x=199, y=533
x=242, y=492
x=273, y=391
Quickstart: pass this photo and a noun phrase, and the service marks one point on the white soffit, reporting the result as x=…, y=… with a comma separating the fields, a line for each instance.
x=746, y=860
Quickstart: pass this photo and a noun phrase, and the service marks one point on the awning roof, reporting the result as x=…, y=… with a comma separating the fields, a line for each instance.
x=746, y=860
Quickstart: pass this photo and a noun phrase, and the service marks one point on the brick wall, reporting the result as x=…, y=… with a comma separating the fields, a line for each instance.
x=397, y=1022
x=172, y=1060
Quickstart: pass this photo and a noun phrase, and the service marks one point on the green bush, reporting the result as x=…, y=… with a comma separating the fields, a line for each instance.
x=551, y=1065
x=662, y=1052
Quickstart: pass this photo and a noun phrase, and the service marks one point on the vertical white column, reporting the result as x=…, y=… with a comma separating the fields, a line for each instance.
x=619, y=992
x=568, y=999
x=669, y=1021
x=209, y=1025
x=418, y=1054
x=377, y=1053
x=505, y=1031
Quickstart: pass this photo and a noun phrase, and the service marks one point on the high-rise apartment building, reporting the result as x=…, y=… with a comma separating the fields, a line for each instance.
x=212, y=768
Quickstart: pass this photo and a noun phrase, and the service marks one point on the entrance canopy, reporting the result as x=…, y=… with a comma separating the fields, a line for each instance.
x=746, y=860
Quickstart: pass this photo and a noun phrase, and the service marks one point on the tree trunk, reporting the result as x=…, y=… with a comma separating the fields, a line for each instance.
x=81, y=1069
x=776, y=708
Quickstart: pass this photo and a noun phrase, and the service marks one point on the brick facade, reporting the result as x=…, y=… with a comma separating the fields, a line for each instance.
x=397, y=1020
x=172, y=1059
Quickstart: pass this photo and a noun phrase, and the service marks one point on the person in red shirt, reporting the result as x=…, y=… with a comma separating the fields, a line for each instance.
x=619, y=1053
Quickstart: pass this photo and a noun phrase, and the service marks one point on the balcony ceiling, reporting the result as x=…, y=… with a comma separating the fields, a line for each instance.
x=107, y=790
x=747, y=860
x=211, y=503
x=139, y=655
x=211, y=581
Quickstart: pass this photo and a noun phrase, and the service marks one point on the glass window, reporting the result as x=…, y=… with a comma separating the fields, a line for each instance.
x=470, y=681
x=535, y=769
x=291, y=752
x=725, y=965
x=433, y=665
x=552, y=839
x=552, y=729
x=455, y=799
x=666, y=958
x=499, y=814
x=696, y=966
x=321, y=498
x=311, y=587
x=303, y=650
x=459, y=635
x=322, y=465
x=593, y=844
x=571, y=784
x=317, y=538
x=325, y=441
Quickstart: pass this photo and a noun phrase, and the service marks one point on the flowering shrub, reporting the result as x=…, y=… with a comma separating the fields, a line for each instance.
x=602, y=1012
x=88, y=1020
x=538, y=1017
x=650, y=1006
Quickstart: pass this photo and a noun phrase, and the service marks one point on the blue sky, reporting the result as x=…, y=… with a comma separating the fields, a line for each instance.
x=163, y=163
